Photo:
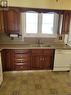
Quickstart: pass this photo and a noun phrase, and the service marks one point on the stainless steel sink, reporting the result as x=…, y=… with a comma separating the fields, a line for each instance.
x=37, y=45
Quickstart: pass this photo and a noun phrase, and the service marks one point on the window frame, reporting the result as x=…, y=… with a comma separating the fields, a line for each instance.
x=39, y=32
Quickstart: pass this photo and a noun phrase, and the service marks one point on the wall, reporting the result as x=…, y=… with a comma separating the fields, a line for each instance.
x=4, y=39
x=51, y=4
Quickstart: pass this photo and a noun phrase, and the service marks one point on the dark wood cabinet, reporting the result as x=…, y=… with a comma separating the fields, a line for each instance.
x=15, y=59
x=42, y=59
x=25, y=59
x=22, y=59
x=12, y=21
x=6, y=60
x=1, y=22
x=66, y=22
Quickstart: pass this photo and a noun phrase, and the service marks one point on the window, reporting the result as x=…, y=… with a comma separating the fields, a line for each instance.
x=31, y=22
x=47, y=23
x=39, y=24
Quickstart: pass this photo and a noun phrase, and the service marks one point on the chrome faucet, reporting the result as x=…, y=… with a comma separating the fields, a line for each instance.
x=39, y=42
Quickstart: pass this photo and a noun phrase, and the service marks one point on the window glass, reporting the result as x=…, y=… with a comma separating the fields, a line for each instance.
x=47, y=23
x=31, y=22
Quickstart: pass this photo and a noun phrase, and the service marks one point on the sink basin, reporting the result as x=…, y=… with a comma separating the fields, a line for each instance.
x=30, y=45
x=37, y=45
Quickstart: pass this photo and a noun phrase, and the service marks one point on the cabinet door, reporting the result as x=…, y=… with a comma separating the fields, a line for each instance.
x=12, y=21
x=35, y=62
x=6, y=60
x=47, y=62
x=42, y=59
x=66, y=22
x=1, y=22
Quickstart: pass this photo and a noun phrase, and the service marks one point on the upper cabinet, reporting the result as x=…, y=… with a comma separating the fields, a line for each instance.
x=12, y=21
x=51, y=4
x=1, y=22
x=66, y=22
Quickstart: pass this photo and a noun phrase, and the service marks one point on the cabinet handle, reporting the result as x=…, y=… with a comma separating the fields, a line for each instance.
x=41, y=59
x=21, y=56
x=21, y=67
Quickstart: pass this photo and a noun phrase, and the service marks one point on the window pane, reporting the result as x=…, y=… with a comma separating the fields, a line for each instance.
x=31, y=22
x=47, y=23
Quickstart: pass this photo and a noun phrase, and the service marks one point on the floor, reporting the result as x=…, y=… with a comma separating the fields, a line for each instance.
x=36, y=83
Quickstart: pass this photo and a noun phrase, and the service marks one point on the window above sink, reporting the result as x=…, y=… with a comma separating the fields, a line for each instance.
x=36, y=24
x=47, y=23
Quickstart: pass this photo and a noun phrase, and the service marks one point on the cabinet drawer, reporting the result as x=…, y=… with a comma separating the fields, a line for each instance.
x=19, y=63
x=21, y=67
x=21, y=51
x=21, y=60
x=19, y=56
x=17, y=67
x=22, y=56
x=22, y=63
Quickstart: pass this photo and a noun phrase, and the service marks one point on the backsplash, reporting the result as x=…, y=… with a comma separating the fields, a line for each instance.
x=4, y=39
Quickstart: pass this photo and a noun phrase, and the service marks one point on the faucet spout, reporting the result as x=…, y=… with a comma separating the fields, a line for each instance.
x=39, y=42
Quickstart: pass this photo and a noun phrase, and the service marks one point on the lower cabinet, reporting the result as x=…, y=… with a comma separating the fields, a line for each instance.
x=21, y=59
x=42, y=59
x=27, y=59
x=6, y=60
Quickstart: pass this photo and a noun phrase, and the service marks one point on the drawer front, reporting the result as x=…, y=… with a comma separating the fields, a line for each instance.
x=22, y=55
x=22, y=63
x=21, y=60
x=21, y=67
x=21, y=51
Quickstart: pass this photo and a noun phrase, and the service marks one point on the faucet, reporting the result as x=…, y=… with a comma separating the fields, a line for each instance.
x=39, y=42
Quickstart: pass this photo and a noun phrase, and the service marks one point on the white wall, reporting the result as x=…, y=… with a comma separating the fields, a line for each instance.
x=51, y=4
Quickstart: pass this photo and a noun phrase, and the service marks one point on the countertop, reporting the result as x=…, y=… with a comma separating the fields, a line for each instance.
x=34, y=46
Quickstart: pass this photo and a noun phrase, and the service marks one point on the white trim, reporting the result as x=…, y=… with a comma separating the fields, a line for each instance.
x=39, y=33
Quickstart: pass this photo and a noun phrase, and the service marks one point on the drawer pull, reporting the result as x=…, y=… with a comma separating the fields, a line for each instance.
x=19, y=64
x=41, y=59
x=21, y=56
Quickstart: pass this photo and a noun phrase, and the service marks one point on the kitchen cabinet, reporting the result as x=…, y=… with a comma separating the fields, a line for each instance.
x=21, y=59
x=15, y=59
x=6, y=60
x=1, y=75
x=42, y=59
x=27, y=59
x=1, y=22
x=62, y=60
x=66, y=22
x=12, y=21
